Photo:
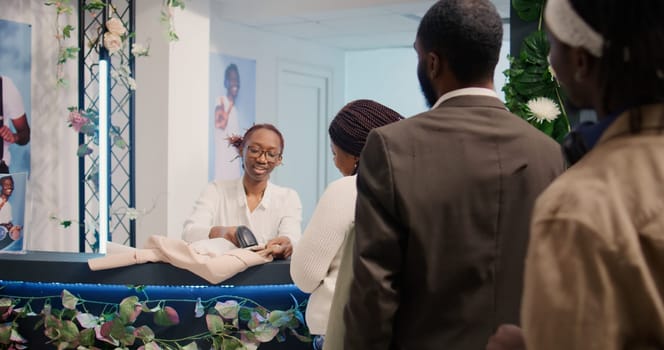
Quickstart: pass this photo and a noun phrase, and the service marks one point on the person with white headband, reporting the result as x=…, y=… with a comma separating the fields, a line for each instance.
x=595, y=258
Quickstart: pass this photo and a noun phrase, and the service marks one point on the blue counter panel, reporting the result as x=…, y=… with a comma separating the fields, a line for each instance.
x=38, y=277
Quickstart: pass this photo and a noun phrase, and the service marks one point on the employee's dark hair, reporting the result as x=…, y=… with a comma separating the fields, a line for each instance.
x=238, y=141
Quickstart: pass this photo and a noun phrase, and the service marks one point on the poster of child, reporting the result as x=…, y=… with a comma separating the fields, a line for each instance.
x=233, y=105
x=12, y=212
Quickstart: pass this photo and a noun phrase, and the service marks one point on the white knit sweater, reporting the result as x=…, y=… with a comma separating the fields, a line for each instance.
x=316, y=257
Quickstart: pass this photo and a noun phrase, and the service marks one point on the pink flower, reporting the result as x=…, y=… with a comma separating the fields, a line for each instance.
x=115, y=26
x=112, y=42
x=76, y=120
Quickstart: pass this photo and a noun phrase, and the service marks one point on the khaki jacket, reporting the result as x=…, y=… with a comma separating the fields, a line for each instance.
x=595, y=266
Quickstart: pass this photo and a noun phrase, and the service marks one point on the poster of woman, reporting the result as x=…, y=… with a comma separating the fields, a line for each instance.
x=15, y=102
x=232, y=111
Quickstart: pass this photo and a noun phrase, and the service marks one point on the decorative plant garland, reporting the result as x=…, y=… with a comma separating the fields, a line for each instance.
x=532, y=91
x=234, y=323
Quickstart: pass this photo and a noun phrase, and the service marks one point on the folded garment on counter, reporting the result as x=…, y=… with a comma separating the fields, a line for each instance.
x=213, y=260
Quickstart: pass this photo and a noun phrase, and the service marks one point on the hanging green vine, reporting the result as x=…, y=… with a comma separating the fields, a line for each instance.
x=531, y=90
x=235, y=323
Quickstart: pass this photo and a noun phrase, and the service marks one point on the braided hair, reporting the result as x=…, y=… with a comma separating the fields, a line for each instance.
x=350, y=127
x=631, y=68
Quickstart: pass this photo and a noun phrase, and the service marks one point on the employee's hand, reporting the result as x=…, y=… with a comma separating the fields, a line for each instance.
x=507, y=337
x=227, y=232
x=7, y=135
x=281, y=247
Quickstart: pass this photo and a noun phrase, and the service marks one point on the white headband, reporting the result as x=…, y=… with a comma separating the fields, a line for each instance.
x=571, y=29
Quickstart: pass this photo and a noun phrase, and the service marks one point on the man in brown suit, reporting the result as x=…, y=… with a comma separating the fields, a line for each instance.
x=445, y=198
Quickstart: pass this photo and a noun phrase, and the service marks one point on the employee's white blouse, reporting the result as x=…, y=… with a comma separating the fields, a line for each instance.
x=224, y=203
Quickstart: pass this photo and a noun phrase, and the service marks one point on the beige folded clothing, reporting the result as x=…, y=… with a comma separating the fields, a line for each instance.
x=211, y=266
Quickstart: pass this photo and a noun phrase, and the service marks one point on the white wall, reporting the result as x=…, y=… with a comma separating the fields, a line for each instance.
x=389, y=76
x=268, y=50
x=53, y=183
x=152, y=123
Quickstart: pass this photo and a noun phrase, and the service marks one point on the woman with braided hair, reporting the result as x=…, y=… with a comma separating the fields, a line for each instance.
x=593, y=276
x=317, y=256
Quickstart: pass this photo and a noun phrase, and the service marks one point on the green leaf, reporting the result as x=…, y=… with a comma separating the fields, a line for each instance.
x=265, y=332
x=528, y=10
x=279, y=318
x=119, y=142
x=83, y=150
x=87, y=320
x=228, y=309
x=5, y=333
x=215, y=324
x=87, y=337
x=231, y=344
x=69, y=331
x=5, y=302
x=118, y=330
x=244, y=313
x=66, y=31
x=536, y=48
x=166, y=317
x=17, y=337
x=65, y=223
x=129, y=336
x=151, y=346
x=94, y=5
x=300, y=337
x=144, y=333
x=69, y=301
x=128, y=306
x=190, y=346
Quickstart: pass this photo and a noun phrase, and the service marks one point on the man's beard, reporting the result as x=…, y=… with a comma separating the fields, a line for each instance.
x=426, y=86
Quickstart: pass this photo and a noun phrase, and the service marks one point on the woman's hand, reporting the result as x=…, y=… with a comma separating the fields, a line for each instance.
x=226, y=232
x=281, y=247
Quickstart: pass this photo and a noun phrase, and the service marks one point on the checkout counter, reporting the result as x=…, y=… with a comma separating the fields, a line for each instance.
x=39, y=278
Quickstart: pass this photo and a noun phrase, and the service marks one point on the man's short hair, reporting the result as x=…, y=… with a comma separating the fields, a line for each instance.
x=467, y=33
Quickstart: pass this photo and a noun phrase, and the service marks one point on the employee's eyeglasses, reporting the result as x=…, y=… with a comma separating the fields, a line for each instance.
x=270, y=156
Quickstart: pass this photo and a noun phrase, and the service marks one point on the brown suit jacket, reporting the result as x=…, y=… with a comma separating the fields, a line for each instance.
x=443, y=209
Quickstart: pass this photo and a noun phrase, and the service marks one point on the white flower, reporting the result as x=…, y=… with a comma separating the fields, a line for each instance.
x=115, y=26
x=543, y=109
x=112, y=42
x=131, y=82
x=140, y=50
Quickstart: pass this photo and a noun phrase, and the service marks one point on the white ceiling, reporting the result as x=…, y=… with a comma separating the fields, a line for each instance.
x=344, y=24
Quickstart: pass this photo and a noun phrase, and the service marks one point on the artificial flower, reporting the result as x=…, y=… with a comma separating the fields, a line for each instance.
x=115, y=26
x=543, y=109
x=112, y=42
x=140, y=50
x=76, y=120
